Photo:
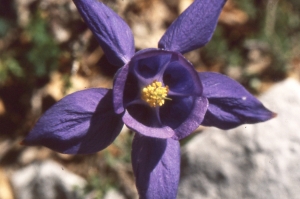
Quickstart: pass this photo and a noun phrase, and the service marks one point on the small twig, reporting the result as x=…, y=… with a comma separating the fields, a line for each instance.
x=270, y=16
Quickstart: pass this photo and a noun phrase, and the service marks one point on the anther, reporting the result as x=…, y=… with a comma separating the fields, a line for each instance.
x=155, y=94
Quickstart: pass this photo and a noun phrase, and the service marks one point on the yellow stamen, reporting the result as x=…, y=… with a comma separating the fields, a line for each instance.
x=155, y=94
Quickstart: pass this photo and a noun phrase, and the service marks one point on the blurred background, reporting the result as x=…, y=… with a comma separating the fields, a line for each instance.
x=47, y=52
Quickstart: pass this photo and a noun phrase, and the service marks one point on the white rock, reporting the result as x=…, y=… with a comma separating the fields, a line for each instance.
x=113, y=194
x=46, y=180
x=251, y=162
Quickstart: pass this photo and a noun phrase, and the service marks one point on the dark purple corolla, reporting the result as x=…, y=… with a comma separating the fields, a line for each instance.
x=157, y=93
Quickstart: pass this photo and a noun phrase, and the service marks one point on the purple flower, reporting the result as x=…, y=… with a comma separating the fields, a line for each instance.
x=157, y=93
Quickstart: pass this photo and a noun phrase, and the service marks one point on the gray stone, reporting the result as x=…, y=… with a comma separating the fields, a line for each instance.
x=258, y=161
x=46, y=180
x=113, y=194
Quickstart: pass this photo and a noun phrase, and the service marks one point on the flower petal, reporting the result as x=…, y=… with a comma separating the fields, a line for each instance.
x=194, y=27
x=156, y=165
x=118, y=89
x=149, y=67
x=182, y=112
x=184, y=115
x=230, y=104
x=139, y=127
x=113, y=34
x=81, y=123
x=182, y=79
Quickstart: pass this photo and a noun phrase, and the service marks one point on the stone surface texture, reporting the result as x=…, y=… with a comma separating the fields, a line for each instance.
x=46, y=180
x=113, y=194
x=258, y=161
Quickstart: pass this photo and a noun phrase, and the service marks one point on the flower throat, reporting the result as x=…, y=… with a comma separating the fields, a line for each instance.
x=155, y=94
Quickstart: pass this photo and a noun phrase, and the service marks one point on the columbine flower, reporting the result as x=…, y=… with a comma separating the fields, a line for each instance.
x=157, y=93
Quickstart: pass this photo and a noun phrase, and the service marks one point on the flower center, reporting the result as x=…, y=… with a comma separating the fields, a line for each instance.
x=155, y=94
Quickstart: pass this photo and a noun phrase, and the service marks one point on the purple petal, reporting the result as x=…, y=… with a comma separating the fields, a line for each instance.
x=194, y=27
x=118, y=89
x=149, y=64
x=183, y=112
x=184, y=115
x=113, y=34
x=82, y=122
x=168, y=67
x=156, y=131
x=149, y=67
x=230, y=104
x=182, y=79
x=156, y=166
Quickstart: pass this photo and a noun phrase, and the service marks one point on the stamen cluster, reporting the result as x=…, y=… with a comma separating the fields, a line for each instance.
x=155, y=94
